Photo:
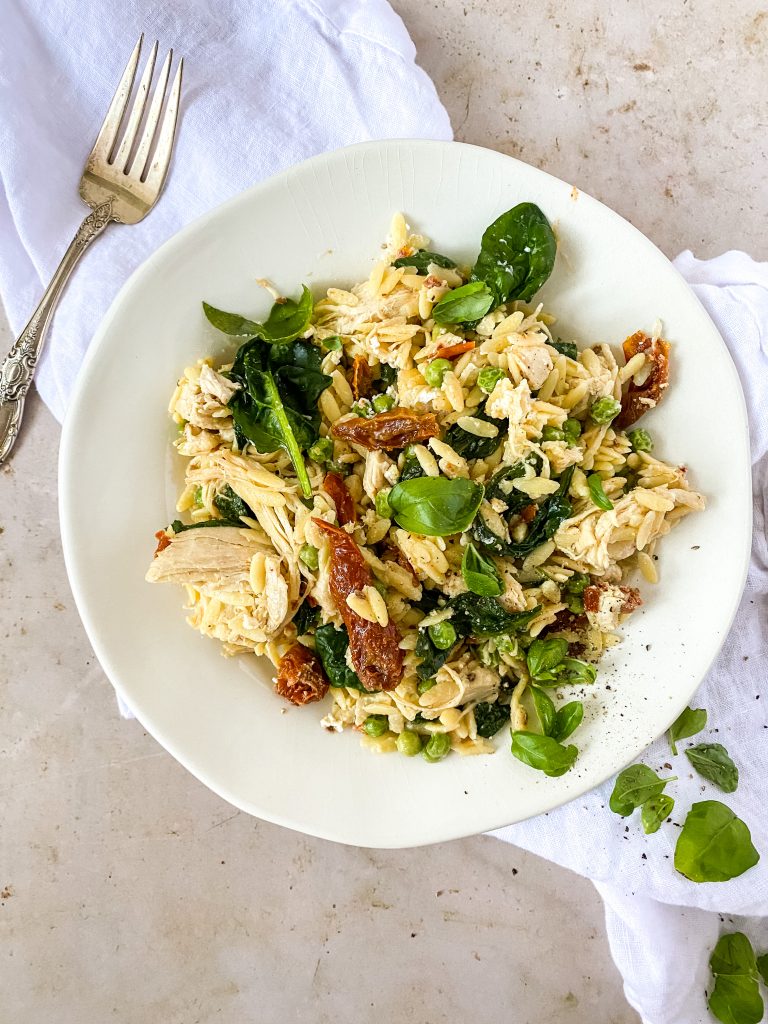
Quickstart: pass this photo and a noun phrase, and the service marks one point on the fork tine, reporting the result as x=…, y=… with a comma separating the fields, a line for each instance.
x=162, y=159
x=153, y=118
x=137, y=112
x=107, y=136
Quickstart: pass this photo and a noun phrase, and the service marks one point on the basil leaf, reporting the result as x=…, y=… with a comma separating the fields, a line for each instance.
x=517, y=254
x=714, y=845
x=655, y=811
x=543, y=753
x=287, y=320
x=178, y=527
x=735, y=998
x=483, y=616
x=232, y=323
x=713, y=762
x=480, y=574
x=306, y=618
x=576, y=672
x=422, y=259
x=434, y=506
x=762, y=966
x=596, y=492
x=472, y=446
x=544, y=655
x=567, y=720
x=461, y=305
x=331, y=648
x=231, y=505
x=689, y=722
x=545, y=710
x=565, y=348
x=490, y=718
x=634, y=786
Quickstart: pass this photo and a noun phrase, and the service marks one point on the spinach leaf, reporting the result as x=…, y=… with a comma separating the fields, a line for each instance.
x=331, y=647
x=480, y=574
x=472, y=446
x=483, y=616
x=434, y=506
x=432, y=657
x=713, y=761
x=545, y=710
x=306, y=618
x=689, y=722
x=544, y=656
x=543, y=753
x=551, y=513
x=735, y=998
x=231, y=505
x=565, y=348
x=286, y=321
x=422, y=259
x=483, y=535
x=178, y=527
x=296, y=366
x=496, y=490
x=567, y=720
x=634, y=786
x=714, y=844
x=490, y=718
x=387, y=376
x=517, y=254
x=461, y=305
x=411, y=466
x=597, y=494
x=655, y=811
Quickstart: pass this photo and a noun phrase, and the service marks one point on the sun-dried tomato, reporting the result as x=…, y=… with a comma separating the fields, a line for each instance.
x=387, y=430
x=361, y=377
x=300, y=676
x=591, y=597
x=452, y=351
x=374, y=649
x=342, y=499
x=639, y=398
x=163, y=540
x=529, y=512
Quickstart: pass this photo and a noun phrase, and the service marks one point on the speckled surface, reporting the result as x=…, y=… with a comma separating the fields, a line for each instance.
x=128, y=892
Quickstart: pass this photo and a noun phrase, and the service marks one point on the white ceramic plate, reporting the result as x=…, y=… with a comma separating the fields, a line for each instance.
x=322, y=223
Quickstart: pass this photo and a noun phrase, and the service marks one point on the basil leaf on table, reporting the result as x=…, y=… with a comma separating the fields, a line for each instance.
x=713, y=762
x=517, y=254
x=735, y=998
x=567, y=720
x=655, y=811
x=543, y=753
x=490, y=718
x=231, y=505
x=461, y=305
x=480, y=574
x=421, y=260
x=435, y=506
x=286, y=321
x=545, y=710
x=714, y=844
x=331, y=648
x=634, y=786
x=688, y=723
x=597, y=494
x=472, y=446
x=479, y=617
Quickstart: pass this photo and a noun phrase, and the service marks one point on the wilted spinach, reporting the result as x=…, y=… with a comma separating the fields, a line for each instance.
x=432, y=657
x=550, y=514
x=331, y=647
x=566, y=348
x=472, y=446
x=306, y=618
x=483, y=616
x=231, y=505
x=490, y=718
x=421, y=260
x=411, y=466
x=517, y=254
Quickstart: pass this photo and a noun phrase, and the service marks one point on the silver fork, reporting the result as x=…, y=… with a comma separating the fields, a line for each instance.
x=123, y=177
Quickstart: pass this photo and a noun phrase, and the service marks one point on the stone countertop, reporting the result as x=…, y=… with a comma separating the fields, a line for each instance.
x=128, y=891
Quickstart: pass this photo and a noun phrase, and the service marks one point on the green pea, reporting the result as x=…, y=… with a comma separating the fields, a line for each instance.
x=604, y=410
x=438, y=745
x=425, y=684
x=640, y=440
x=383, y=403
x=571, y=430
x=409, y=743
x=308, y=555
x=442, y=635
x=577, y=583
x=382, y=503
x=363, y=408
x=434, y=372
x=488, y=378
x=321, y=451
x=376, y=725
x=552, y=434
x=198, y=498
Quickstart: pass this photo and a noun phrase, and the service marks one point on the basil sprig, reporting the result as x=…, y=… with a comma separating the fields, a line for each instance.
x=480, y=574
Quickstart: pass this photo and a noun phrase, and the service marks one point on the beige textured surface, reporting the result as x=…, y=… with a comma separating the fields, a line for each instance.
x=130, y=893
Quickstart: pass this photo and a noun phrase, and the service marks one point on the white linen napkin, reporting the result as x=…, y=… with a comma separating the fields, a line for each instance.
x=266, y=85
x=659, y=941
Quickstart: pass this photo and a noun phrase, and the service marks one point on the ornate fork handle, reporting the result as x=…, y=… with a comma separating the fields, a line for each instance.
x=18, y=368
